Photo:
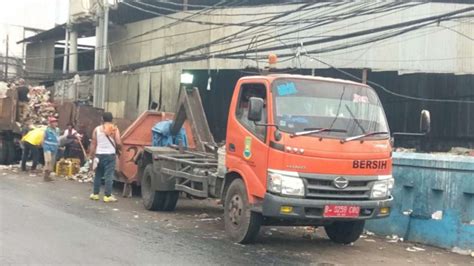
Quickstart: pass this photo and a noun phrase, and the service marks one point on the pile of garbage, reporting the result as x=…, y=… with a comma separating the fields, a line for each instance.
x=462, y=151
x=3, y=89
x=84, y=175
x=39, y=106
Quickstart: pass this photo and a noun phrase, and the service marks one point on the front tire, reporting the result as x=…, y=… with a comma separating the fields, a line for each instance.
x=240, y=222
x=344, y=232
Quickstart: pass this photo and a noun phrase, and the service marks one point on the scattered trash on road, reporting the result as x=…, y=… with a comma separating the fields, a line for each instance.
x=367, y=232
x=210, y=219
x=369, y=240
x=309, y=232
x=394, y=239
x=461, y=251
x=135, y=216
x=414, y=249
x=437, y=215
x=203, y=215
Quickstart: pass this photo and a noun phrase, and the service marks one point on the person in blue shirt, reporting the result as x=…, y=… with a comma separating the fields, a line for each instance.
x=50, y=147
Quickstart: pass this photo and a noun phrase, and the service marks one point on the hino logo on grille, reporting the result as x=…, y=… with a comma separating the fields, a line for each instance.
x=340, y=182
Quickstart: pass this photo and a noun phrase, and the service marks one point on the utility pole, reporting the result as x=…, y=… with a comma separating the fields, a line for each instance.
x=65, y=60
x=6, y=60
x=185, y=5
x=105, y=51
x=66, y=48
x=100, y=62
x=97, y=55
x=73, y=50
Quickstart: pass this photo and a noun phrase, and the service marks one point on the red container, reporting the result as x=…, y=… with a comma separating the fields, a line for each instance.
x=139, y=135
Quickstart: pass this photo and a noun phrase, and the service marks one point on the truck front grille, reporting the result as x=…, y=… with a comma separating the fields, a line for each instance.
x=322, y=187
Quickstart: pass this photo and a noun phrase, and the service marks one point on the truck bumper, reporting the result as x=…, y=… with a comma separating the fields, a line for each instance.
x=312, y=209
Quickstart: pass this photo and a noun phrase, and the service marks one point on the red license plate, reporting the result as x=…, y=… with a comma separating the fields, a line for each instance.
x=341, y=211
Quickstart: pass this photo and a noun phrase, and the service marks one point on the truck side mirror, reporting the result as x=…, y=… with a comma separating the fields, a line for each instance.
x=255, y=109
x=425, y=122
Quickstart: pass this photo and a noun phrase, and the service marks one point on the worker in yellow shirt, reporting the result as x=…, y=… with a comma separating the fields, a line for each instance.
x=31, y=144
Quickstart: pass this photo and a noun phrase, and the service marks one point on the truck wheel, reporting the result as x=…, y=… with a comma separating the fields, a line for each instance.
x=240, y=222
x=344, y=232
x=3, y=152
x=171, y=201
x=152, y=200
x=11, y=152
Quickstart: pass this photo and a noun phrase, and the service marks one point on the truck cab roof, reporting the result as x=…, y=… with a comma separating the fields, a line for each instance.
x=272, y=77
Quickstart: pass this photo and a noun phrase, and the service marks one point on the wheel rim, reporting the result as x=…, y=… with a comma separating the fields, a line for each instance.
x=236, y=210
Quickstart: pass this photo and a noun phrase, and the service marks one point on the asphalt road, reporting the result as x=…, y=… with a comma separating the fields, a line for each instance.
x=56, y=223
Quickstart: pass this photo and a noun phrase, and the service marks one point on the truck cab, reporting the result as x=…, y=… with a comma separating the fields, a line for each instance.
x=303, y=150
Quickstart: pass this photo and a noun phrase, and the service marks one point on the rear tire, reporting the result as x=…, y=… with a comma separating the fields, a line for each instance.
x=241, y=223
x=152, y=200
x=344, y=232
x=11, y=152
x=3, y=152
x=171, y=201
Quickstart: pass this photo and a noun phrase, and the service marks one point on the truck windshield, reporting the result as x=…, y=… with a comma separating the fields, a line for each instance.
x=305, y=104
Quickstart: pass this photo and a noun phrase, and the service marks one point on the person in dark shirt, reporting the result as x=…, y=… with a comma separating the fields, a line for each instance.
x=23, y=100
x=22, y=91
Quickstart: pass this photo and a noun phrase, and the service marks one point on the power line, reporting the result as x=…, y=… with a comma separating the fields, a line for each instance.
x=335, y=19
x=167, y=58
x=143, y=34
x=200, y=22
x=431, y=19
x=458, y=32
x=206, y=6
x=274, y=48
x=156, y=6
x=323, y=22
x=148, y=32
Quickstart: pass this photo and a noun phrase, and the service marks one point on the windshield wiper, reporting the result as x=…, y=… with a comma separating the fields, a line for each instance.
x=309, y=131
x=355, y=119
x=363, y=136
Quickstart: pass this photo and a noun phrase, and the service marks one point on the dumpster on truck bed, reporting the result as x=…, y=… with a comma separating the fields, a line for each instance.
x=139, y=135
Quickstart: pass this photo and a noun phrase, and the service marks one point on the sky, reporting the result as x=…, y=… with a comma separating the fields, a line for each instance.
x=39, y=14
x=34, y=14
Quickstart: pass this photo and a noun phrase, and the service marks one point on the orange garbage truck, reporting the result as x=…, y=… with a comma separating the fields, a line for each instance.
x=299, y=150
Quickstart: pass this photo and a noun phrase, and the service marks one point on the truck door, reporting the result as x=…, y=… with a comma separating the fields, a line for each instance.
x=247, y=147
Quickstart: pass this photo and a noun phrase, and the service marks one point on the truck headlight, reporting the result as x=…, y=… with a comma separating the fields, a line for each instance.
x=284, y=184
x=382, y=188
